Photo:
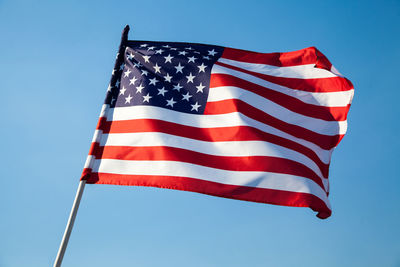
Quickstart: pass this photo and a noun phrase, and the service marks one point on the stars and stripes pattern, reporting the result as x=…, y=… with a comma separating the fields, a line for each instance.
x=221, y=121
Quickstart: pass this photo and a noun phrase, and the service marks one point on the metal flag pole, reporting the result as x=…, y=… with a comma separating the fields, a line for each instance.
x=70, y=224
x=82, y=183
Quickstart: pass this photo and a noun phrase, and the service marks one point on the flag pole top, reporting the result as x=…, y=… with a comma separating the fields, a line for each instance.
x=125, y=32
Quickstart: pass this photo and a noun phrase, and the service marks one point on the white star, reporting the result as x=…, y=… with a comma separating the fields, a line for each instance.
x=157, y=68
x=159, y=51
x=131, y=55
x=146, y=59
x=113, y=100
x=127, y=72
x=202, y=68
x=116, y=57
x=195, y=107
x=187, y=96
x=137, y=64
x=188, y=48
x=143, y=45
x=139, y=88
x=183, y=53
x=145, y=72
x=166, y=46
x=113, y=72
x=133, y=80
x=128, y=99
x=122, y=66
x=206, y=57
x=191, y=59
x=117, y=84
x=212, y=52
x=197, y=52
x=173, y=48
x=168, y=78
x=171, y=102
x=109, y=88
x=190, y=78
x=153, y=81
x=177, y=87
x=150, y=48
x=200, y=88
x=162, y=91
x=122, y=91
x=146, y=98
x=168, y=58
x=179, y=68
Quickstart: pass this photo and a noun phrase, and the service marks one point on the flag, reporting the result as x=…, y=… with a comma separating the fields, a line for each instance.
x=220, y=121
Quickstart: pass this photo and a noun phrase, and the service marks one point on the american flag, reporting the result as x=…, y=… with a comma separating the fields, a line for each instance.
x=220, y=121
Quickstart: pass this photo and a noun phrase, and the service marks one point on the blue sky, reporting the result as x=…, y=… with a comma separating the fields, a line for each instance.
x=56, y=59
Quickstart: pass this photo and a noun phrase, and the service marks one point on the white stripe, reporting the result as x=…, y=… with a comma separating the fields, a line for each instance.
x=104, y=110
x=328, y=99
x=229, y=149
x=89, y=161
x=277, y=111
x=267, y=180
x=208, y=121
x=307, y=71
x=97, y=136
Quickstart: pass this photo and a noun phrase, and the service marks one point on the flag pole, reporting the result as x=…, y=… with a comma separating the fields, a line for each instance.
x=82, y=183
x=70, y=224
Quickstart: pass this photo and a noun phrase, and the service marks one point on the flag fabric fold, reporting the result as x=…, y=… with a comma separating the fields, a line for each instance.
x=221, y=121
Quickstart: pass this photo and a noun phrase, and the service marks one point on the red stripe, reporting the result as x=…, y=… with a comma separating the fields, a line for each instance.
x=86, y=173
x=261, y=195
x=309, y=55
x=322, y=61
x=249, y=163
x=316, y=85
x=289, y=102
x=103, y=123
x=237, y=133
x=236, y=105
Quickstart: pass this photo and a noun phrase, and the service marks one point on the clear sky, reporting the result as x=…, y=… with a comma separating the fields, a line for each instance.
x=56, y=59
